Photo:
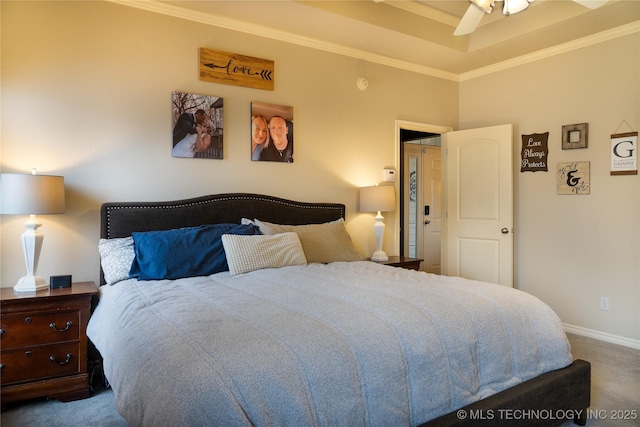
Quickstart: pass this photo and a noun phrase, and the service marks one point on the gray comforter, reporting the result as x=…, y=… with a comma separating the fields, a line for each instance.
x=343, y=344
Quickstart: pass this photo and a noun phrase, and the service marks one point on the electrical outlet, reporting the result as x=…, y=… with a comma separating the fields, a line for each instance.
x=604, y=303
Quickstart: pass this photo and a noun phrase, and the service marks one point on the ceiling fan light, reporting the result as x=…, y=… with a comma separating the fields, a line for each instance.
x=485, y=5
x=515, y=6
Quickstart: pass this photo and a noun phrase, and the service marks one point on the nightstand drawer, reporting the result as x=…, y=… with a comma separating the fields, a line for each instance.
x=32, y=363
x=21, y=331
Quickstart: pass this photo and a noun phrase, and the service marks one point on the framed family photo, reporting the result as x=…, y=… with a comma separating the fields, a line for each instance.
x=271, y=132
x=197, y=122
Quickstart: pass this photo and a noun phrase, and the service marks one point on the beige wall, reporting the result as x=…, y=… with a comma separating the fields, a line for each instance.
x=86, y=90
x=572, y=250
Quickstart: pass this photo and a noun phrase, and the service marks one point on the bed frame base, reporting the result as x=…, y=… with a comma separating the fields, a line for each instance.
x=548, y=400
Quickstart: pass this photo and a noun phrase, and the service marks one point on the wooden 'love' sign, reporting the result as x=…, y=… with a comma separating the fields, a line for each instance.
x=235, y=69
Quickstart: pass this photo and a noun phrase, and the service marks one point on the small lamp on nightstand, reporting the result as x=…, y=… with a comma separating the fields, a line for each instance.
x=23, y=194
x=379, y=198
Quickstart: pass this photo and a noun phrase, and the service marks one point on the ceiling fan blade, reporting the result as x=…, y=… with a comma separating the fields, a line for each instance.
x=591, y=4
x=469, y=21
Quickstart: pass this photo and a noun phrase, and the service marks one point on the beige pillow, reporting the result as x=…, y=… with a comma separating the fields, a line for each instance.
x=326, y=242
x=248, y=253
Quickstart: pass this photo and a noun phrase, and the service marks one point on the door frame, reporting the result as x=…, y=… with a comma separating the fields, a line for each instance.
x=419, y=127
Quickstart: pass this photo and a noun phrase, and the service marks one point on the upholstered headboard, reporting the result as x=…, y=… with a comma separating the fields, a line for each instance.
x=120, y=219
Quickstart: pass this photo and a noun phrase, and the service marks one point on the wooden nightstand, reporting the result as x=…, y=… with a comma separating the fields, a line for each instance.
x=402, y=261
x=43, y=339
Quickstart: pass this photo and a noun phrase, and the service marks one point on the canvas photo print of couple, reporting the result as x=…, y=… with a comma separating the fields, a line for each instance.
x=197, y=126
x=197, y=122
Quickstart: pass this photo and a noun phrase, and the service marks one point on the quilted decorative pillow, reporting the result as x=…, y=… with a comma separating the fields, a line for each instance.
x=116, y=256
x=249, y=253
x=328, y=242
x=183, y=252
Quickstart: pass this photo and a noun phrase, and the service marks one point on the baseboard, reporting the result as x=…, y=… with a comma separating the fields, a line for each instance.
x=602, y=336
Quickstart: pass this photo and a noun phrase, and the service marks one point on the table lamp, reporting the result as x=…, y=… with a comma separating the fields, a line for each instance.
x=23, y=194
x=378, y=198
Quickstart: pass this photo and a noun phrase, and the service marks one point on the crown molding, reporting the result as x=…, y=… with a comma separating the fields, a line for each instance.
x=262, y=31
x=593, y=39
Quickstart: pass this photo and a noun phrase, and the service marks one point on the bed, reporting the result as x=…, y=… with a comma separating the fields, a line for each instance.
x=296, y=329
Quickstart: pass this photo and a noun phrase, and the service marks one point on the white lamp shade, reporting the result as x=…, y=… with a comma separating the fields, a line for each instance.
x=25, y=194
x=378, y=198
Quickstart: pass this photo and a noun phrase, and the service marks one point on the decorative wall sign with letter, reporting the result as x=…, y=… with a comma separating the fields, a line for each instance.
x=575, y=136
x=234, y=69
x=624, y=154
x=535, y=152
x=573, y=178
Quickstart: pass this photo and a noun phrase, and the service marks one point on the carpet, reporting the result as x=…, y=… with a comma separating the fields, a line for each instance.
x=98, y=411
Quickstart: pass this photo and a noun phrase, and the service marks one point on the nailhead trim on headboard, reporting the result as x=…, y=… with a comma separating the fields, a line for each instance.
x=337, y=210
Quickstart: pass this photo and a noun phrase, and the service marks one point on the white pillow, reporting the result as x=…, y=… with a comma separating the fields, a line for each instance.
x=116, y=256
x=249, y=253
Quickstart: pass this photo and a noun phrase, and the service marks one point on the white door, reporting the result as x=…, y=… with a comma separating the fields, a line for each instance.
x=479, y=204
x=431, y=209
x=423, y=206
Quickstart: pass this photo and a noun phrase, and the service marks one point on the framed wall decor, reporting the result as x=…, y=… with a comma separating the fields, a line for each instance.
x=234, y=69
x=271, y=132
x=573, y=178
x=535, y=152
x=575, y=136
x=197, y=122
x=624, y=154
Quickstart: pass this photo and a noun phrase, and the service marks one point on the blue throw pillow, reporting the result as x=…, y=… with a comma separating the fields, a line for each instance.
x=183, y=252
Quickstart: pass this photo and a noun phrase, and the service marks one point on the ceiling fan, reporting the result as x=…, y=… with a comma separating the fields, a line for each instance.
x=478, y=8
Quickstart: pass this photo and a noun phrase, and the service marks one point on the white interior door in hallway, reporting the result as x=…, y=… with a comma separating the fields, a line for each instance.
x=423, y=206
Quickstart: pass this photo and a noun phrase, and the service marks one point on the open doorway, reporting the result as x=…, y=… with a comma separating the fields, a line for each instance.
x=420, y=193
x=476, y=243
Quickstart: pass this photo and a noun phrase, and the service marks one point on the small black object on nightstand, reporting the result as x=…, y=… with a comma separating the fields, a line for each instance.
x=60, y=281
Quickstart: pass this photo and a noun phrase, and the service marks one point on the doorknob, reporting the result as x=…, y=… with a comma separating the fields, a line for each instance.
x=505, y=230
x=427, y=222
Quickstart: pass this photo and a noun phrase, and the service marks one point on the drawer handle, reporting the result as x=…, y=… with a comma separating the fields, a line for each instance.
x=1, y=331
x=53, y=326
x=54, y=360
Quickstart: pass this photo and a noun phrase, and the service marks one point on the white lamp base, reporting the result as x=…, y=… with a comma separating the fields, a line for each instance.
x=30, y=283
x=31, y=247
x=379, y=256
x=378, y=230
